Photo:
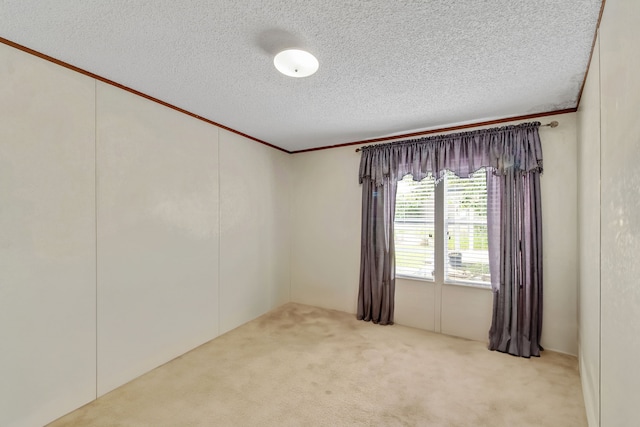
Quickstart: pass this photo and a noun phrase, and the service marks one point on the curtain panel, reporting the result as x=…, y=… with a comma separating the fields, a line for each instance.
x=510, y=154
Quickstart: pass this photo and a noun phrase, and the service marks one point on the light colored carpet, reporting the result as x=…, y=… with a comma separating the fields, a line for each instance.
x=306, y=366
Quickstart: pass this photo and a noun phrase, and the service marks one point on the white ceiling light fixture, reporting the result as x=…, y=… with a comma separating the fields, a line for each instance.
x=296, y=63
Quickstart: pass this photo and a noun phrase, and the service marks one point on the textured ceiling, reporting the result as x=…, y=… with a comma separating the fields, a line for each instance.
x=386, y=67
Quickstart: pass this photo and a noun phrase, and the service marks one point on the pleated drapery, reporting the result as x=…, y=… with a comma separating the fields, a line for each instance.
x=513, y=158
x=377, y=253
x=516, y=325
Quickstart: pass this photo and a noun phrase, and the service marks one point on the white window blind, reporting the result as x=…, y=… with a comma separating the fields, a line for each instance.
x=467, y=250
x=464, y=252
x=414, y=228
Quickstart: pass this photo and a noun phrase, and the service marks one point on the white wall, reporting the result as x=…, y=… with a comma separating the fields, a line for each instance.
x=325, y=260
x=620, y=213
x=157, y=235
x=325, y=232
x=47, y=240
x=609, y=227
x=589, y=239
x=560, y=235
x=192, y=236
x=254, y=229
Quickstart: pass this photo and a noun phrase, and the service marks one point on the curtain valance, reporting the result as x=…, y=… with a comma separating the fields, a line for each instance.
x=505, y=148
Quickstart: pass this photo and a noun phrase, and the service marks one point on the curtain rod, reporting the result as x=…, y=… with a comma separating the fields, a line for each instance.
x=552, y=124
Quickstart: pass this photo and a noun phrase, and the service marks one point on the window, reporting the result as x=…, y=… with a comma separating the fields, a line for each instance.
x=414, y=228
x=455, y=213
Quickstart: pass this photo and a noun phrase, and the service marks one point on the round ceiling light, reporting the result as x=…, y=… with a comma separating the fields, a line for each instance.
x=296, y=63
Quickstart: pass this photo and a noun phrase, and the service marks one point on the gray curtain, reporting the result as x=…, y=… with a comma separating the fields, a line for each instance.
x=377, y=252
x=517, y=290
x=511, y=154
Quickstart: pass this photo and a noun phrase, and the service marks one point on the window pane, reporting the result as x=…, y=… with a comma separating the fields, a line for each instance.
x=467, y=257
x=414, y=228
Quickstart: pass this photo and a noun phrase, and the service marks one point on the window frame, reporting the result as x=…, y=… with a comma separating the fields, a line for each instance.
x=440, y=246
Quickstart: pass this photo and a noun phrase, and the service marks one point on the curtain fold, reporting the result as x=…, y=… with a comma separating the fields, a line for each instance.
x=513, y=158
x=516, y=324
x=377, y=253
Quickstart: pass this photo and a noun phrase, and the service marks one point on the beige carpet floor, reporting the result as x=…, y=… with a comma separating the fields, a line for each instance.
x=306, y=366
